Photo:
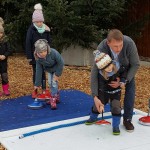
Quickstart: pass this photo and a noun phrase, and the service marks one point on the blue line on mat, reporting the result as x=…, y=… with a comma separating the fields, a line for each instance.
x=56, y=127
x=59, y=126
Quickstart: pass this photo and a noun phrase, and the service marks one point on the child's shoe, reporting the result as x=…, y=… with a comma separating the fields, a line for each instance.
x=92, y=119
x=53, y=103
x=116, y=131
x=6, y=89
x=115, y=124
x=34, y=93
x=57, y=98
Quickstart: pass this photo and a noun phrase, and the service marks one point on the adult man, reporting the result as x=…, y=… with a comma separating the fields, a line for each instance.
x=122, y=49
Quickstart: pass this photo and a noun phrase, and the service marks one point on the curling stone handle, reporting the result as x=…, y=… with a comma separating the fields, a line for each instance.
x=102, y=115
x=149, y=103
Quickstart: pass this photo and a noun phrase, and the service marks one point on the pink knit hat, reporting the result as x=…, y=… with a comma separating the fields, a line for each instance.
x=37, y=14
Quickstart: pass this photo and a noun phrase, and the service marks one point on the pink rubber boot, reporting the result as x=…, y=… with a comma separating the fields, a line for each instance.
x=57, y=98
x=53, y=102
x=6, y=89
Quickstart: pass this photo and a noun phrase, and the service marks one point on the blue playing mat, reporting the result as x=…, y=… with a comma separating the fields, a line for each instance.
x=14, y=113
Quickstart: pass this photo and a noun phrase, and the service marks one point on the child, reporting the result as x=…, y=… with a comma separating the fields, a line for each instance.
x=37, y=30
x=5, y=51
x=51, y=61
x=104, y=72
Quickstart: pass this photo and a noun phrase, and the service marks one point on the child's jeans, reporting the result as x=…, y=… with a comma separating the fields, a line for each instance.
x=52, y=84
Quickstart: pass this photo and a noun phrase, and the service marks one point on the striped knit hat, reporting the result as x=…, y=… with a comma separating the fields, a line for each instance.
x=102, y=60
x=38, y=14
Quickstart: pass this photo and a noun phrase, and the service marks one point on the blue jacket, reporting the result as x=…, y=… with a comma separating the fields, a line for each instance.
x=32, y=36
x=52, y=64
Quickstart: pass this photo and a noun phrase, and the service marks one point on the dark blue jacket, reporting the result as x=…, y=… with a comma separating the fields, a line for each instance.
x=5, y=50
x=32, y=36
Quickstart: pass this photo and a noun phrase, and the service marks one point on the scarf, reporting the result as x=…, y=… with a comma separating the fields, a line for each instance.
x=40, y=29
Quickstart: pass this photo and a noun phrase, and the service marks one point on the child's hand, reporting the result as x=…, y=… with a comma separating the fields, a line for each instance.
x=122, y=85
x=101, y=108
x=98, y=104
x=36, y=87
x=2, y=57
x=56, y=78
x=115, y=84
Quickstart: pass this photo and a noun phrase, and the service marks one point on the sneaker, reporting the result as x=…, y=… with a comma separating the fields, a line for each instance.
x=128, y=125
x=90, y=121
x=116, y=131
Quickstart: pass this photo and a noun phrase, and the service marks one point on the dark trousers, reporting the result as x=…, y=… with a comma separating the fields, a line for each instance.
x=129, y=99
x=43, y=76
x=105, y=98
x=3, y=72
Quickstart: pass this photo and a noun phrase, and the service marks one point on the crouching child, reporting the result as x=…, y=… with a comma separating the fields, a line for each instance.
x=51, y=61
x=103, y=73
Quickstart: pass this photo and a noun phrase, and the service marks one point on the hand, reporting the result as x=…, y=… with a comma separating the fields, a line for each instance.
x=36, y=87
x=2, y=57
x=115, y=84
x=56, y=78
x=122, y=85
x=101, y=108
x=98, y=104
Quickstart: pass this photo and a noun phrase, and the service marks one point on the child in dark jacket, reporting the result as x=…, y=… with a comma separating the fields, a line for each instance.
x=37, y=30
x=51, y=61
x=104, y=72
x=5, y=51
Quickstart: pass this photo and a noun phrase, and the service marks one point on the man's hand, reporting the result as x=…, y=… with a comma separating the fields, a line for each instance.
x=98, y=104
x=115, y=84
